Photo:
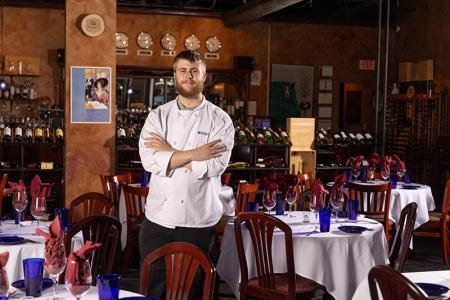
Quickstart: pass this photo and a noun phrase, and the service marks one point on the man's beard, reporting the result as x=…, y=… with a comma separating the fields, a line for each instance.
x=189, y=93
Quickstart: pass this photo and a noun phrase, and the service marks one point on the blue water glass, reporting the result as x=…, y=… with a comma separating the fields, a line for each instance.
x=348, y=177
x=393, y=178
x=16, y=216
x=252, y=206
x=325, y=219
x=279, y=207
x=108, y=286
x=352, y=209
x=33, y=269
x=407, y=177
x=144, y=178
x=63, y=214
x=363, y=176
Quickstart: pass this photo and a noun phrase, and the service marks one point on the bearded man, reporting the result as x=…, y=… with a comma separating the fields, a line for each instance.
x=186, y=144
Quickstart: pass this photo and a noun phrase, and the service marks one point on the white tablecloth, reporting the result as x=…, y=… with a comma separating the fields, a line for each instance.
x=17, y=253
x=63, y=293
x=436, y=277
x=226, y=196
x=401, y=197
x=338, y=260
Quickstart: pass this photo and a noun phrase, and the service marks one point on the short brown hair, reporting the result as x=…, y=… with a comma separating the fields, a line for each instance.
x=189, y=55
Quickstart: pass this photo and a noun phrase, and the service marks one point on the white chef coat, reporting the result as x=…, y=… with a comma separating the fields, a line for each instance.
x=181, y=197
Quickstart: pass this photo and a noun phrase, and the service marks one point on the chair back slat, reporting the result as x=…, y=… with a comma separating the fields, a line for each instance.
x=112, y=187
x=446, y=199
x=402, y=239
x=183, y=261
x=261, y=227
x=3, y=182
x=392, y=285
x=246, y=193
x=98, y=229
x=88, y=205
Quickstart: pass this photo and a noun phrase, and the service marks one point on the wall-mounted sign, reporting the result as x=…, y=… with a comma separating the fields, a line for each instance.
x=367, y=64
x=91, y=25
x=90, y=99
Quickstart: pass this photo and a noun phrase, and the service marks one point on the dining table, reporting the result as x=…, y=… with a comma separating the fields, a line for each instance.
x=26, y=244
x=62, y=293
x=336, y=259
x=439, y=279
x=404, y=194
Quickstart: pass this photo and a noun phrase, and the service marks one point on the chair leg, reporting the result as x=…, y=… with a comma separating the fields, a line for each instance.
x=444, y=245
x=127, y=257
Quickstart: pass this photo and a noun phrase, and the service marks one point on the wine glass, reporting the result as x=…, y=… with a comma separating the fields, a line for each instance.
x=291, y=198
x=314, y=205
x=269, y=200
x=78, y=284
x=356, y=170
x=38, y=208
x=400, y=173
x=20, y=202
x=337, y=201
x=384, y=174
x=56, y=265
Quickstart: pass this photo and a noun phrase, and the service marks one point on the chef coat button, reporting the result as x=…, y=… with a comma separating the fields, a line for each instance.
x=174, y=143
x=182, y=201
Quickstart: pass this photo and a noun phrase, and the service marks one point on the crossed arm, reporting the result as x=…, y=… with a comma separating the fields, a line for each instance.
x=179, y=158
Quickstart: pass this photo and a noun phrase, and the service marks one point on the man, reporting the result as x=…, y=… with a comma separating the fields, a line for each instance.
x=186, y=145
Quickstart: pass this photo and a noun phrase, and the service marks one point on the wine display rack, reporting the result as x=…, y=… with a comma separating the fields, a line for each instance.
x=412, y=130
x=23, y=161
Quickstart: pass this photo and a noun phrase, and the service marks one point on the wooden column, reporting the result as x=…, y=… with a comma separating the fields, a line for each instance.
x=89, y=147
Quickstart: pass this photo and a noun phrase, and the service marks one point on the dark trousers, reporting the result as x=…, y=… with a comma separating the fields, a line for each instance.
x=153, y=236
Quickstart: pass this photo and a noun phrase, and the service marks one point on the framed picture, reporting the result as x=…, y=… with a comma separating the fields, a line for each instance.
x=291, y=91
x=90, y=98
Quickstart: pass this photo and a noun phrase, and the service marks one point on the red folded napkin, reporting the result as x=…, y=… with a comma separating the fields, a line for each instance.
x=374, y=160
x=354, y=160
x=4, y=256
x=271, y=186
x=336, y=190
x=54, y=248
x=399, y=164
x=317, y=190
x=14, y=186
x=35, y=187
x=74, y=262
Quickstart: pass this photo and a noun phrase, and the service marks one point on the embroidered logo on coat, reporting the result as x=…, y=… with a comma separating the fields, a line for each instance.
x=202, y=132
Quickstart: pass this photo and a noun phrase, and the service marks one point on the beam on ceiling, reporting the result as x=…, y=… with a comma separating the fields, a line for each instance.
x=254, y=10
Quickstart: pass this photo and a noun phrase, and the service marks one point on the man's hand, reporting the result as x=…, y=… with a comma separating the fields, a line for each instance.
x=209, y=151
x=157, y=143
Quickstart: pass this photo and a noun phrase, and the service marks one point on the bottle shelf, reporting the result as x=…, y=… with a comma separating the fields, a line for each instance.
x=257, y=169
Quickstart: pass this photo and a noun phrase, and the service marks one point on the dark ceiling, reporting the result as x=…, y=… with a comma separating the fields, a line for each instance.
x=351, y=12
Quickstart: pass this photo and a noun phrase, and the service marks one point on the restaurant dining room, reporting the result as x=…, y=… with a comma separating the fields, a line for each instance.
x=224, y=149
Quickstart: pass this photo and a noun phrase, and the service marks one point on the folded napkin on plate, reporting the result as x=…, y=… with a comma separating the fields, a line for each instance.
x=386, y=164
x=35, y=187
x=374, y=160
x=317, y=190
x=4, y=283
x=4, y=256
x=354, y=160
x=336, y=189
x=399, y=164
x=15, y=186
x=54, y=253
x=74, y=261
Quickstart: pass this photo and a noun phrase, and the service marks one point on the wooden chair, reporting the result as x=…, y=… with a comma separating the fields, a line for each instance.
x=392, y=284
x=183, y=260
x=98, y=229
x=374, y=201
x=2, y=190
x=438, y=224
x=403, y=235
x=268, y=284
x=225, y=178
x=88, y=205
x=135, y=198
x=112, y=187
x=246, y=192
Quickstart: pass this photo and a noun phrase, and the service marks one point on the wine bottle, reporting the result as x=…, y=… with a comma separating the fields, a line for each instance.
x=18, y=133
x=131, y=133
x=121, y=134
x=242, y=136
x=260, y=138
x=48, y=134
x=12, y=89
x=268, y=136
x=252, y=137
x=38, y=134
x=275, y=135
x=352, y=138
x=345, y=138
x=28, y=132
x=337, y=139
x=59, y=134
x=369, y=138
x=284, y=136
x=7, y=138
x=360, y=138
x=321, y=138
